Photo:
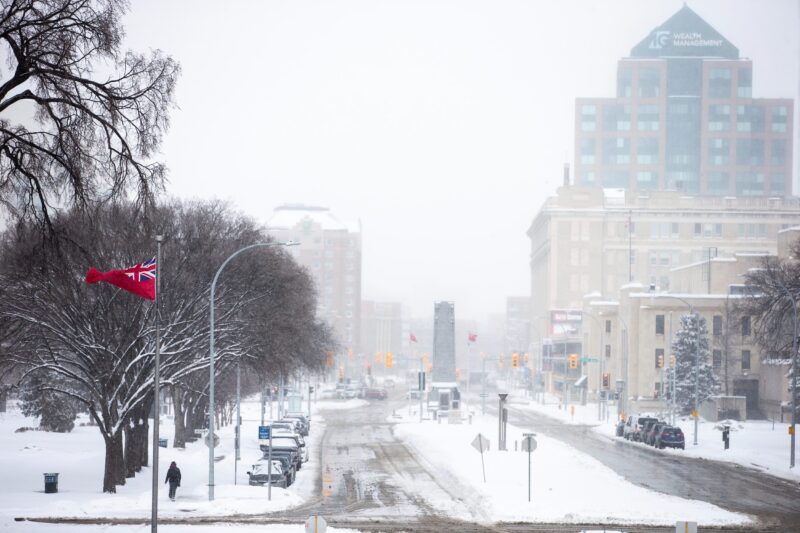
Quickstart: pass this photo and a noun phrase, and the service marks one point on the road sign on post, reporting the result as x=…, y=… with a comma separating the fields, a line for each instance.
x=481, y=443
x=528, y=445
x=316, y=524
x=263, y=432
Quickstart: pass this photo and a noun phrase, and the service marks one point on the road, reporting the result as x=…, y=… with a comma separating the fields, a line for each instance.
x=733, y=487
x=373, y=482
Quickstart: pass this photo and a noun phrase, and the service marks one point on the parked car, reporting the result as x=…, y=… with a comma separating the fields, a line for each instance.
x=287, y=461
x=284, y=443
x=671, y=437
x=301, y=443
x=375, y=394
x=303, y=424
x=261, y=474
x=633, y=426
x=653, y=430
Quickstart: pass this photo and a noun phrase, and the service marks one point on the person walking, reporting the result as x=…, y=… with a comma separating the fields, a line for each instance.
x=174, y=479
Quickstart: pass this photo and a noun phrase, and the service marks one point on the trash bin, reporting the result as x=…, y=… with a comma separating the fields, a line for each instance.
x=50, y=483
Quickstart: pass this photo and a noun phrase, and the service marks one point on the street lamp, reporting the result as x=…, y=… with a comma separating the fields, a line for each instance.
x=211, y=360
x=692, y=311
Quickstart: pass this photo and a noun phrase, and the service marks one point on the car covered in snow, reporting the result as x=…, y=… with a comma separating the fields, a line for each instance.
x=375, y=394
x=261, y=474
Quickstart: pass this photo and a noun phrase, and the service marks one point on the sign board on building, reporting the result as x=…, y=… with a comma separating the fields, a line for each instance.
x=565, y=322
x=685, y=34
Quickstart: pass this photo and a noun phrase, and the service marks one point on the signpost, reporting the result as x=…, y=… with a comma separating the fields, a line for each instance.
x=264, y=433
x=316, y=524
x=481, y=443
x=528, y=445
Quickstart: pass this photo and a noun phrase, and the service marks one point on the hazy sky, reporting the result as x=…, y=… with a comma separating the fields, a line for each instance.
x=441, y=125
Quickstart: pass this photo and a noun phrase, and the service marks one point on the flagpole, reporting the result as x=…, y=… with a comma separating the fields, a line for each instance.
x=156, y=403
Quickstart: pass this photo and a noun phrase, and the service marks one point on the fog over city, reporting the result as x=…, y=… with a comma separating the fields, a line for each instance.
x=440, y=126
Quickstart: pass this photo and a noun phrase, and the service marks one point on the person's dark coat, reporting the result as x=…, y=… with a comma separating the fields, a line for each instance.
x=173, y=475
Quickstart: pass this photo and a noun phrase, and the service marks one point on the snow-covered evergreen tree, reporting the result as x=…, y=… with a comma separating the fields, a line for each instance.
x=56, y=412
x=690, y=348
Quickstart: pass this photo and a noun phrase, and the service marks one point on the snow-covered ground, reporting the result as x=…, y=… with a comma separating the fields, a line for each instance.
x=567, y=485
x=758, y=444
x=78, y=458
x=34, y=527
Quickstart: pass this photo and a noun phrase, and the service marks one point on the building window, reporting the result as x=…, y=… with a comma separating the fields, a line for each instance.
x=646, y=180
x=659, y=324
x=744, y=83
x=624, y=83
x=752, y=231
x=778, y=152
x=777, y=183
x=719, y=151
x=717, y=182
x=608, y=350
x=659, y=357
x=746, y=326
x=587, y=151
x=616, y=117
x=719, y=83
x=647, y=151
x=616, y=151
x=588, y=118
x=717, y=325
x=707, y=230
x=647, y=117
x=608, y=326
x=717, y=358
x=779, y=118
x=719, y=117
x=649, y=83
x=749, y=183
x=745, y=359
x=750, y=118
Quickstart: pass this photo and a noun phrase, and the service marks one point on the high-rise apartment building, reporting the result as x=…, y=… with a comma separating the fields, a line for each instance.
x=684, y=118
x=331, y=251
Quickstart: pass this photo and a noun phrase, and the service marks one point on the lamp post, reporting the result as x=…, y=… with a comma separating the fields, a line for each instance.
x=211, y=359
x=624, y=392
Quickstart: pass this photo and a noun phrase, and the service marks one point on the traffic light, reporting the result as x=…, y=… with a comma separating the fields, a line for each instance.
x=458, y=373
x=369, y=369
x=378, y=357
x=341, y=372
x=329, y=359
x=350, y=354
x=573, y=360
x=527, y=358
x=389, y=360
x=606, y=380
x=660, y=361
x=514, y=360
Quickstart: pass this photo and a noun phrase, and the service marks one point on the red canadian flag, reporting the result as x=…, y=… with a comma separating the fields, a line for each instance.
x=139, y=279
x=473, y=337
x=412, y=337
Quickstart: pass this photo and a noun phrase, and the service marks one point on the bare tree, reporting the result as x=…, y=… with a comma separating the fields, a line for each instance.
x=769, y=305
x=99, y=341
x=90, y=136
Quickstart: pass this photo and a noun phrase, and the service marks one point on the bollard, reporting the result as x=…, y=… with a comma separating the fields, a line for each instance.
x=515, y=445
x=51, y=483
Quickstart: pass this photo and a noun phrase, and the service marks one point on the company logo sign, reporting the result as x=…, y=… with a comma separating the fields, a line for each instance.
x=687, y=39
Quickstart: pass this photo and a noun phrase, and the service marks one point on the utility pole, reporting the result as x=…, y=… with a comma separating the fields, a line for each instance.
x=238, y=422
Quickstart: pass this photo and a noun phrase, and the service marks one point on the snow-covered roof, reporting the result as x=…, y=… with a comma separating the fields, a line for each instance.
x=632, y=285
x=290, y=215
x=787, y=230
x=604, y=303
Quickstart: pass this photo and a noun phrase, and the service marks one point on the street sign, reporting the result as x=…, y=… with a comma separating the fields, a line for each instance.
x=589, y=359
x=685, y=527
x=208, y=441
x=316, y=524
x=263, y=432
x=529, y=444
x=480, y=443
x=620, y=385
